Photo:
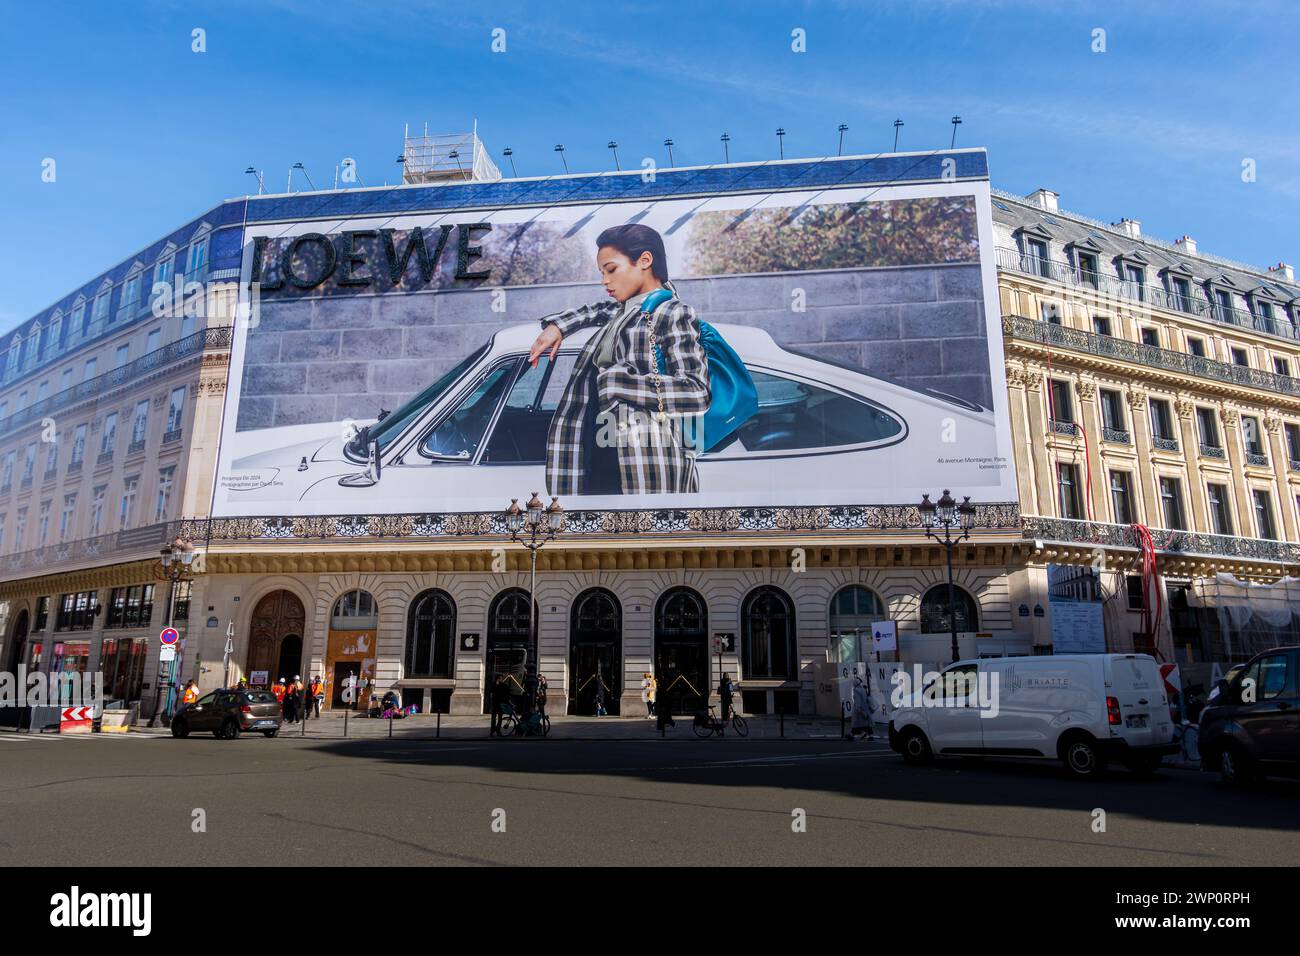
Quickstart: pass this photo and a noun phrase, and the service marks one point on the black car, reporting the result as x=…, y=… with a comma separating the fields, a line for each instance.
x=1252, y=727
x=228, y=713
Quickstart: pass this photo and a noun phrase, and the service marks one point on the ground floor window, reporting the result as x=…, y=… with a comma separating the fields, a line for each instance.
x=768, y=636
x=935, y=615
x=70, y=657
x=122, y=663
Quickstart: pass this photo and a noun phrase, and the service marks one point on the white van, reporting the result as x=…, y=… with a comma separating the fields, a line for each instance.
x=1083, y=709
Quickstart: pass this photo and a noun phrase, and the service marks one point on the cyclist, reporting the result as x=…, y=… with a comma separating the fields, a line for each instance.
x=725, y=690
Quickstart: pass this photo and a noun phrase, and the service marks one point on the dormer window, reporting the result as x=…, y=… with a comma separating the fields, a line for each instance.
x=1181, y=290
x=1034, y=249
x=1134, y=278
x=1265, y=320
x=1086, y=256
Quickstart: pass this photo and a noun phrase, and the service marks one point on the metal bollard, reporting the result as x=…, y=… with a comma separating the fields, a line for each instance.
x=390, y=726
x=345, y=721
x=439, y=730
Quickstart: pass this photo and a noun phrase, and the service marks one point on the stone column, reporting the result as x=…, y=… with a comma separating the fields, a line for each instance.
x=1090, y=422
x=1285, y=518
x=1243, y=520
x=1191, y=453
x=1147, y=493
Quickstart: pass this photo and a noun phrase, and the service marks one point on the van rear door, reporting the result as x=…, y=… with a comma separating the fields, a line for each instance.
x=1135, y=681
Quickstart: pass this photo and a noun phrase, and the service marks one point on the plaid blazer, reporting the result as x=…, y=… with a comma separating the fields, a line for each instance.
x=653, y=457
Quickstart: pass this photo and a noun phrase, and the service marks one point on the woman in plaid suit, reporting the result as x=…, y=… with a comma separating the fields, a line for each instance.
x=621, y=427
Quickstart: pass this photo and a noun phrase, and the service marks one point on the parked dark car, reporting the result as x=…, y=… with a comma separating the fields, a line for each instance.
x=228, y=713
x=1252, y=728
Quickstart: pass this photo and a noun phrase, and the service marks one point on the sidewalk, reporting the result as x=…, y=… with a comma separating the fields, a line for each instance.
x=475, y=727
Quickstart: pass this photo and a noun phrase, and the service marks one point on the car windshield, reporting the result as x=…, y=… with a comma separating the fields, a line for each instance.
x=395, y=422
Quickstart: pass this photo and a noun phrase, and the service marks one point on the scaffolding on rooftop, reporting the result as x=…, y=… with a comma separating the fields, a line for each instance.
x=446, y=157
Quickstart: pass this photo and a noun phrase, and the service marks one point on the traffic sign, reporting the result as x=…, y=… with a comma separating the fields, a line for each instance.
x=169, y=636
x=76, y=720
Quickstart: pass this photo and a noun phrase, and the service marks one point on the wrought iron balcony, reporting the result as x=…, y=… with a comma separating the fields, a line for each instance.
x=1116, y=435
x=1255, y=458
x=1174, y=542
x=1294, y=464
x=1164, y=444
x=105, y=458
x=1032, y=330
x=1192, y=303
x=135, y=447
x=202, y=340
x=172, y=436
x=1065, y=428
x=1213, y=451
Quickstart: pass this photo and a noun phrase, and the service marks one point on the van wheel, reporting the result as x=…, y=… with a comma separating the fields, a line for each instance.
x=230, y=729
x=1081, y=757
x=916, y=749
x=1235, y=768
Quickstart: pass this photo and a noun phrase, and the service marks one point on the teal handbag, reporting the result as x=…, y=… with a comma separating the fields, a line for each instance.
x=734, y=399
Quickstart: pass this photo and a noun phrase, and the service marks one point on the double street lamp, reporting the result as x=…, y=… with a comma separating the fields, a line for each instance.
x=949, y=516
x=176, y=560
x=533, y=526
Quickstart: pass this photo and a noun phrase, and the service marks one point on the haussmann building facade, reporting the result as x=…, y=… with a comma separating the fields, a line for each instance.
x=434, y=600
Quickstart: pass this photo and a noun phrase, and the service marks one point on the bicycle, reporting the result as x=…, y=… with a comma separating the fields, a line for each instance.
x=535, y=725
x=707, y=726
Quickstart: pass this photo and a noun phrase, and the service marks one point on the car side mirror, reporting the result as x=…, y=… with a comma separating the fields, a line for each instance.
x=374, y=467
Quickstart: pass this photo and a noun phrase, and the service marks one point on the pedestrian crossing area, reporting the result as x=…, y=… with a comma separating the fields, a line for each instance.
x=9, y=736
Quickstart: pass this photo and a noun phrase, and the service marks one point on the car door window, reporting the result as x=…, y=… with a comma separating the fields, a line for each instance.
x=958, y=684
x=1272, y=677
x=519, y=435
x=206, y=700
x=797, y=416
x=459, y=434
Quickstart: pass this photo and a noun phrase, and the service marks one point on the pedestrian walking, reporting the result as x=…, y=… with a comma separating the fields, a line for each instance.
x=290, y=704
x=648, y=693
x=317, y=690
x=542, y=689
x=497, y=697
x=864, y=706
x=664, y=711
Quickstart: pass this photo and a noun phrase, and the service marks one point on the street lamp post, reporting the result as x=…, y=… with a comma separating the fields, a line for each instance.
x=533, y=526
x=947, y=514
x=176, y=560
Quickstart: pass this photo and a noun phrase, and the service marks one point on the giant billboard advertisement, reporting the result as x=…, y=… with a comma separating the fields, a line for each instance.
x=831, y=347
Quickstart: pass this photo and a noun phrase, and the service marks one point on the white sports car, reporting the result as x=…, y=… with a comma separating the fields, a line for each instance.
x=476, y=438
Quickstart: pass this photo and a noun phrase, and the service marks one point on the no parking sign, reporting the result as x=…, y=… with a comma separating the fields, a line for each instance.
x=169, y=636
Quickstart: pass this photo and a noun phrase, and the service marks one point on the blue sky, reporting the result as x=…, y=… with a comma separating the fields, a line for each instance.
x=146, y=133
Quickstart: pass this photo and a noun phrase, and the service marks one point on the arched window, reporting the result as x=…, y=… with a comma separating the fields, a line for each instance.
x=934, y=611
x=767, y=636
x=681, y=662
x=511, y=644
x=595, y=652
x=355, y=611
x=681, y=613
x=430, y=630
x=853, y=610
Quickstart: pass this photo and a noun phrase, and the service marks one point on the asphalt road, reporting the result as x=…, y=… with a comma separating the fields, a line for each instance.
x=133, y=800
